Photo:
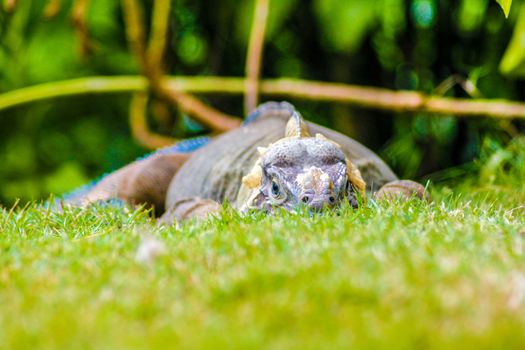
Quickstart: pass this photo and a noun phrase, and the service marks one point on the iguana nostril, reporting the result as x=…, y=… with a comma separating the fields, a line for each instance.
x=305, y=199
x=331, y=199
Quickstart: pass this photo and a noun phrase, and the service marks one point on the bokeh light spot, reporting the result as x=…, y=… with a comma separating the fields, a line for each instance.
x=423, y=12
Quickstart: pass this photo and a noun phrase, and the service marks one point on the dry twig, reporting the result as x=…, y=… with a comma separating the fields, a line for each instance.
x=9, y=5
x=157, y=40
x=154, y=56
x=139, y=125
x=78, y=18
x=150, y=59
x=254, y=57
x=52, y=9
x=355, y=95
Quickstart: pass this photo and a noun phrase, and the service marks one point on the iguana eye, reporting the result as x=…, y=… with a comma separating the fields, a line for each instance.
x=277, y=195
x=276, y=190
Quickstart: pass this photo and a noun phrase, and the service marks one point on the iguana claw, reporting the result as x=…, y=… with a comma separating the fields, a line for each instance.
x=402, y=189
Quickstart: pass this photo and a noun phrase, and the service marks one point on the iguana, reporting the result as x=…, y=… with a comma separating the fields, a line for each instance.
x=276, y=159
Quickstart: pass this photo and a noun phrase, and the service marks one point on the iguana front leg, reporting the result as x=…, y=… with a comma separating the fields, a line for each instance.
x=403, y=190
x=189, y=208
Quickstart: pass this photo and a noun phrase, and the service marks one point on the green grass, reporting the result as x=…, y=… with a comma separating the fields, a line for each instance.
x=446, y=275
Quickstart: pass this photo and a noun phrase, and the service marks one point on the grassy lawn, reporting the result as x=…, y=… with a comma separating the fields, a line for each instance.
x=446, y=275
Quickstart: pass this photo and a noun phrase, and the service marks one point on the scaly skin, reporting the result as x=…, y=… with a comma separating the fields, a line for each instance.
x=192, y=184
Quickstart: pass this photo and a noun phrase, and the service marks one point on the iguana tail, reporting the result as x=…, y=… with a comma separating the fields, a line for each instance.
x=144, y=181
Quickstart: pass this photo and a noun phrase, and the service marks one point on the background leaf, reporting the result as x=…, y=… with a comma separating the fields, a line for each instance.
x=514, y=58
x=505, y=5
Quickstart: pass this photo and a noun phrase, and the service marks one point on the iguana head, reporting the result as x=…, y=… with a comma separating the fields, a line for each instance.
x=301, y=170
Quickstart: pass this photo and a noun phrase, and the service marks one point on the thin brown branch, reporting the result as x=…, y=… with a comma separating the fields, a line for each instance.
x=9, y=5
x=466, y=84
x=209, y=116
x=155, y=62
x=215, y=119
x=297, y=89
x=133, y=16
x=157, y=39
x=254, y=57
x=52, y=8
x=78, y=18
x=151, y=68
x=399, y=101
x=161, y=112
x=139, y=124
x=149, y=58
x=466, y=108
x=377, y=98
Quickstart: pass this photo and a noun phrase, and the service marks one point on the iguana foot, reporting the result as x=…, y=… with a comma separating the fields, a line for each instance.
x=402, y=189
x=189, y=208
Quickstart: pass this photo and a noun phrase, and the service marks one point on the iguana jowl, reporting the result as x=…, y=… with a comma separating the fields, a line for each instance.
x=275, y=160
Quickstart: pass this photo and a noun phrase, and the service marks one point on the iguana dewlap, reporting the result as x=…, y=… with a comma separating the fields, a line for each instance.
x=275, y=160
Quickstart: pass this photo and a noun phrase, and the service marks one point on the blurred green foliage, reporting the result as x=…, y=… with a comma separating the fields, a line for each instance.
x=53, y=146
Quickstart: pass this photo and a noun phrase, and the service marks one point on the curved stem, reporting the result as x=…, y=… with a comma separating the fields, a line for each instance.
x=51, y=9
x=78, y=17
x=217, y=120
x=135, y=32
x=139, y=124
x=157, y=39
x=254, y=57
x=65, y=88
x=209, y=116
x=369, y=97
x=9, y=5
